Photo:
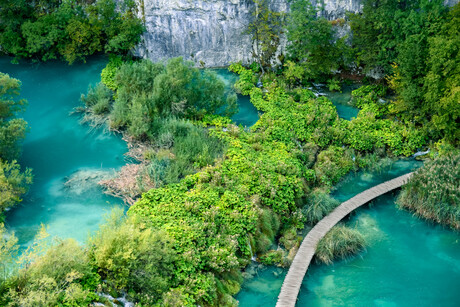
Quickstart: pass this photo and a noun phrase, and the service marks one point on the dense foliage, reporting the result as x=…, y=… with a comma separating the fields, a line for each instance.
x=134, y=95
x=67, y=29
x=433, y=192
x=254, y=195
x=227, y=212
x=133, y=258
x=13, y=181
x=154, y=103
x=60, y=277
x=419, y=54
x=313, y=41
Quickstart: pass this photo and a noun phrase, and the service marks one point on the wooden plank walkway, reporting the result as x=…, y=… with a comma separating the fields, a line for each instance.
x=299, y=266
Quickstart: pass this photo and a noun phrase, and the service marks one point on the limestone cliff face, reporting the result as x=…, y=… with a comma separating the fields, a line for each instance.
x=209, y=32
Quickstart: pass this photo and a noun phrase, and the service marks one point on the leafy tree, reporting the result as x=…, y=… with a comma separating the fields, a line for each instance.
x=62, y=276
x=68, y=29
x=12, y=130
x=13, y=182
x=442, y=82
x=426, y=71
x=147, y=91
x=313, y=41
x=265, y=29
x=8, y=249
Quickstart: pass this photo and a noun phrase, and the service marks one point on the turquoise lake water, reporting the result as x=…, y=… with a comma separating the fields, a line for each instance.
x=247, y=114
x=59, y=147
x=408, y=261
x=341, y=101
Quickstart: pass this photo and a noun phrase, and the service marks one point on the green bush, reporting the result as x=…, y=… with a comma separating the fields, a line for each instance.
x=62, y=276
x=13, y=181
x=319, y=204
x=272, y=257
x=132, y=258
x=110, y=70
x=145, y=91
x=8, y=251
x=98, y=99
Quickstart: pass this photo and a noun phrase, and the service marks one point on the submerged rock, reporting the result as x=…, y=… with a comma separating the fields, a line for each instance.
x=86, y=179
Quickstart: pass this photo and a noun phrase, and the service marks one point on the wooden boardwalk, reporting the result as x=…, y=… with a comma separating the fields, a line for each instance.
x=299, y=266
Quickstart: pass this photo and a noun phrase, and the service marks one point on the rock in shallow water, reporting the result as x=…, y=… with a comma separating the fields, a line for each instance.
x=86, y=179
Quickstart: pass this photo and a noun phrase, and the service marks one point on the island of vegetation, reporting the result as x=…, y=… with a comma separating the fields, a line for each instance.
x=207, y=196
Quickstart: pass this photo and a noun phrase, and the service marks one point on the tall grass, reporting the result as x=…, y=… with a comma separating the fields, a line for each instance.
x=340, y=242
x=319, y=204
x=434, y=191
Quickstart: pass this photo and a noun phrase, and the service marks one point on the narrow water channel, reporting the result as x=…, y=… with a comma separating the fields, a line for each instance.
x=247, y=114
x=408, y=262
x=341, y=100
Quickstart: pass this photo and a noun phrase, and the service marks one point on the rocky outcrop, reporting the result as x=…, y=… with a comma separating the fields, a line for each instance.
x=208, y=32
x=211, y=32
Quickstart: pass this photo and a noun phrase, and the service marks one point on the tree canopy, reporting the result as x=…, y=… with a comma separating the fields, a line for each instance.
x=13, y=182
x=67, y=29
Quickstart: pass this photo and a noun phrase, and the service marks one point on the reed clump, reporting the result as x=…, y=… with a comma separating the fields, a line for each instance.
x=433, y=192
x=340, y=242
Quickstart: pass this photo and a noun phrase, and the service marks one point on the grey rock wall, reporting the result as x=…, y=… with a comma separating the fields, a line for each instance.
x=209, y=32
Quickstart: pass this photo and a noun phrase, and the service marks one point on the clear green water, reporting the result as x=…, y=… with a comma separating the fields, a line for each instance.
x=57, y=147
x=247, y=114
x=408, y=262
x=342, y=101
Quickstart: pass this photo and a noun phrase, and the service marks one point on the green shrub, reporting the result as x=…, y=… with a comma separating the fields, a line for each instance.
x=109, y=72
x=272, y=257
x=8, y=251
x=62, y=276
x=332, y=164
x=145, y=91
x=13, y=183
x=12, y=129
x=132, y=258
x=98, y=99
x=289, y=238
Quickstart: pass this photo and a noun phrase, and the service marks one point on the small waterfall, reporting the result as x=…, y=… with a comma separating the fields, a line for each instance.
x=420, y=153
x=116, y=302
x=253, y=256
